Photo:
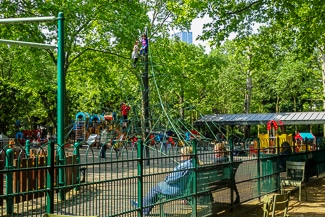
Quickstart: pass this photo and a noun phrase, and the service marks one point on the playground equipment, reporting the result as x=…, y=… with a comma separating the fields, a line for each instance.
x=305, y=141
x=96, y=124
x=87, y=125
x=271, y=142
x=81, y=125
x=37, y=135
x=267, y=142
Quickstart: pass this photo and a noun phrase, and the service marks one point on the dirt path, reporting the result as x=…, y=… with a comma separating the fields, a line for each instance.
x=314, y=207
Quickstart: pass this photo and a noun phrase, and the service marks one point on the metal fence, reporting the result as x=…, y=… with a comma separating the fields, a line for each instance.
x=102, y=180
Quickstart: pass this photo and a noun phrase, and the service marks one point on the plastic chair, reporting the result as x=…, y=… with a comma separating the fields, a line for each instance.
x=278, y=202
x=295, y=176
x=59, y=215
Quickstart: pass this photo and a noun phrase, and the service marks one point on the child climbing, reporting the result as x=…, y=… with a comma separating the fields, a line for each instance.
x=144, y=45
x=124, y=110
x=135, y=53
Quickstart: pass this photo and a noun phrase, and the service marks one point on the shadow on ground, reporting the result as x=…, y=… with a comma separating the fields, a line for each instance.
x=313, y=207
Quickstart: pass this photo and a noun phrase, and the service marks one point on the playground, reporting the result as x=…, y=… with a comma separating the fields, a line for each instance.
x=99, y=163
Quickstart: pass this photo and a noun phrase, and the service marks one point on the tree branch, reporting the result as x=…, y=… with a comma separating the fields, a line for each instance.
x=52, y=56
x=92, y=49
x=108, y=52
x=244, y=8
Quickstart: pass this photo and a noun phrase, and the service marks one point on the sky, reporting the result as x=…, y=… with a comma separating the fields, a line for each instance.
x=197, y=29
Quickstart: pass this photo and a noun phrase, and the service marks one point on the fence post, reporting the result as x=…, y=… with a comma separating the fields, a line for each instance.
x=102, y=151
x=9, y=179
x=232, y=178
x=60, y=159
x=50, y=178
x=27, y=147
x=195, y=161
x=231, y=147
x=259, y=167
x=140, y=176
x=76, y=152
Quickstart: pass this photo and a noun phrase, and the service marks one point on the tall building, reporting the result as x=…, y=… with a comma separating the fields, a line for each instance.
x=184, y=36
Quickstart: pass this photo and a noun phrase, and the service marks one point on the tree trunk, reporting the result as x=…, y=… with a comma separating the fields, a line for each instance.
x=181, y=108
x=323, y=80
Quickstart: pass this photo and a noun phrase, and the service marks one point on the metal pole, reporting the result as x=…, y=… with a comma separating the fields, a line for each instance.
x=145, y=98
x=29, y=44
x=27, y=147
x=195, y=162
x=9, y=180
x=60, y=110
x=50, y=178
x=140, y=176
x=60, y=100
x=27, y=19
x=76, y=152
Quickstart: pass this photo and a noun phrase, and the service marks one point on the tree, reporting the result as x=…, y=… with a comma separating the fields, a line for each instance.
x=91, y=30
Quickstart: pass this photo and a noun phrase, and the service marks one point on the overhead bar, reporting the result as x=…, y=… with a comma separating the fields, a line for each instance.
x=28, y=19
x=30, y=44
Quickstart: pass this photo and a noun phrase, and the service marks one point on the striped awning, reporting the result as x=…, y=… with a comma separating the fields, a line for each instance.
x=288, y=118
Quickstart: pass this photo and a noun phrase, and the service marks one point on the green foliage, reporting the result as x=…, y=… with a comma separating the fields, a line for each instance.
x=282, y=59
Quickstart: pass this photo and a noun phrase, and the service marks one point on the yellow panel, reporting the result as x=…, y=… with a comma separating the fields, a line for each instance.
x=264, y=140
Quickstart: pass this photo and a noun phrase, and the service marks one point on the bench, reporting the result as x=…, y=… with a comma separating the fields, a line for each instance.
x=209, y=178
x=216, y=177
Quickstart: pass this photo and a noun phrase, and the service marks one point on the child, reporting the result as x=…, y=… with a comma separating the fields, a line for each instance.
x=144, y=43
x=124, y=110
x=135, y=53
x=220, y=153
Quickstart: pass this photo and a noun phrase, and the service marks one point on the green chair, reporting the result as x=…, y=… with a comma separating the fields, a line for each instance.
x=277, y=202
x=295, y=176
x=59, y=215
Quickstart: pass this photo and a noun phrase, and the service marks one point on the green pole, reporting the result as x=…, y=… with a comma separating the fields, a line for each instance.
x=27, y=147
x=60, y=100
x=145, y=99
x=140, y=176
x=259, y=167
x=50, y=178
x=195, y=162
x=9, y=180
x=76, y=152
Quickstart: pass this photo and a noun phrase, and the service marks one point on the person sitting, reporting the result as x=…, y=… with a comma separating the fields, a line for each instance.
x=220, y=153
x=286, y=149
x=174, y=183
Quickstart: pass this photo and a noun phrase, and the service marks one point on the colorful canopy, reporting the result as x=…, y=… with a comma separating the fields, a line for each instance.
x=304, y=135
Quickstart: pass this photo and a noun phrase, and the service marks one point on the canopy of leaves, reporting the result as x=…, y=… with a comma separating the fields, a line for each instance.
x=183, y=79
